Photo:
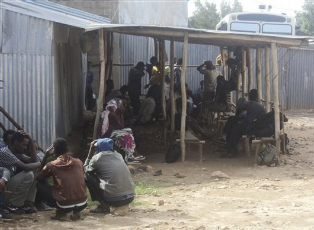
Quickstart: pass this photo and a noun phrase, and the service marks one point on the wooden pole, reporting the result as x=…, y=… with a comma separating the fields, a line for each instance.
x=183, y=94
x=259, y=74
x=276, y=95
x=239, y=81
x=102, y=84
x=250, y=70
x=16, y=125
x=244, y=78
x=223, y=61
x=110, y=61
x=267, y=72
x=2, y=127
x=172, y=102
x=156, y=48
x=162, y=76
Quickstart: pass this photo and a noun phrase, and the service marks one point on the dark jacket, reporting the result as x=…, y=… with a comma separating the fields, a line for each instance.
x=134, y=81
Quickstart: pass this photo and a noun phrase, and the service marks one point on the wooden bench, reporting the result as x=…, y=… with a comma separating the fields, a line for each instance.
x=190, y=138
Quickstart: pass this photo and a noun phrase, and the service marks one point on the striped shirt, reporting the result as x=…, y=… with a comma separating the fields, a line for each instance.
x=8, y=160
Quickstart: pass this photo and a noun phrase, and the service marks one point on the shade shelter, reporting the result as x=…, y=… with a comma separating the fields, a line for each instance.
x=49, y=66
x=226, y=41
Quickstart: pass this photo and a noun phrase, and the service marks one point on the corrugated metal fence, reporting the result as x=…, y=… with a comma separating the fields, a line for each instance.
x=296, y=69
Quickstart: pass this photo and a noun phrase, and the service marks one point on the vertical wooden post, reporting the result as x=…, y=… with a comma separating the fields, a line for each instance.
x=239, y=81
x=276, y=95
x=102, y=84
x=267, y=72
x=223, y=61
x=244, y=78
x=259, y=74
x=250, y=69
x=162, y=76
x=110, y=59
x=172, y=102
x=156, y=48
x=183, y=94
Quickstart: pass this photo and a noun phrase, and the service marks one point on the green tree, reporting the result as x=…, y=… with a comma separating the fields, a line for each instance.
x=205, y=16
x=236, y=6
x=226, y=8
x=305, y=18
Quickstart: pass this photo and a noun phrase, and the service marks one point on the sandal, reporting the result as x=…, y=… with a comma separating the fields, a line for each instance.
x=139, y=158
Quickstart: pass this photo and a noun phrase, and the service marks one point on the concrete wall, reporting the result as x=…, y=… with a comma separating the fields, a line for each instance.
x=158, y=12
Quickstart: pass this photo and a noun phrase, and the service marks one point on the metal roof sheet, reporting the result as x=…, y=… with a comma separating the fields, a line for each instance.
x=55, y=12
x=209, y=37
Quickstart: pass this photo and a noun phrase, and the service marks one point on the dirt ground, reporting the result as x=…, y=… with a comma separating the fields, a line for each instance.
x=253, y=197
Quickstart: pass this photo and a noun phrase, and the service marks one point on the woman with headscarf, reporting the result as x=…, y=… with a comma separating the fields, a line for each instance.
x=113, y=127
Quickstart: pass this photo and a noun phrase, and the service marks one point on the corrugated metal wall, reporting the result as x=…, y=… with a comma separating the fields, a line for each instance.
x=69, y=79
x=41, y=66
x=26, y=67
x=296, y=69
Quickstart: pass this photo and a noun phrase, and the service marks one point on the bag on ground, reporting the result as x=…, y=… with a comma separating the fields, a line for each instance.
x=173, y=153
x=268, y=156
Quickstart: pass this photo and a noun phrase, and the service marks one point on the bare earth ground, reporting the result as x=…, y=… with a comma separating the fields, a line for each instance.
x=254, y=197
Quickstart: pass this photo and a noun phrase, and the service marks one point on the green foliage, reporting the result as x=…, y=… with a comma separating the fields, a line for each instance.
x=305, y=18
x=236, y=6
x=206, y=15
x=226, y=8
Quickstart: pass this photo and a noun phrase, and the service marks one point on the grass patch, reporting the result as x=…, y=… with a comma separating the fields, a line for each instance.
x=140, y=203
x=148, y=189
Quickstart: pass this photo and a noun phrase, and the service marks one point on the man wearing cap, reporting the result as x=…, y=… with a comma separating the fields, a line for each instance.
x=107, y=177
x=134, y=85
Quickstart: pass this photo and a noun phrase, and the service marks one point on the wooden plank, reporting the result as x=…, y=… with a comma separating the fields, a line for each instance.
x=102, y=84
x=172, y=101
x=276, y=95
x=183, y=94
x=208, y=38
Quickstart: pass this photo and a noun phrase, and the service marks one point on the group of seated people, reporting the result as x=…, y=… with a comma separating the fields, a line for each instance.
x=24, y=178
x=251, y=120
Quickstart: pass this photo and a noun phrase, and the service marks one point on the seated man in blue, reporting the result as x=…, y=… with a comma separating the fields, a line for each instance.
x=107, y=177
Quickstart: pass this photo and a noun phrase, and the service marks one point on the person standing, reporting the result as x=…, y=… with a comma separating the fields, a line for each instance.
x=134, y=86
x=68, y=192
x=177, y=72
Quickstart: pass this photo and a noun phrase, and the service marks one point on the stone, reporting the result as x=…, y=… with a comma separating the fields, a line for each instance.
x=219, y=175
x=120, y=211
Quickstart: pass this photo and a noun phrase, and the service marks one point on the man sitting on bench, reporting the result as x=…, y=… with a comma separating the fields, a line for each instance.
x=254, y=111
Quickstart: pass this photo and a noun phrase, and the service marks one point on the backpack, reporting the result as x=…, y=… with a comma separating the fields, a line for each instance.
x=268, y=156
x=173, y=153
